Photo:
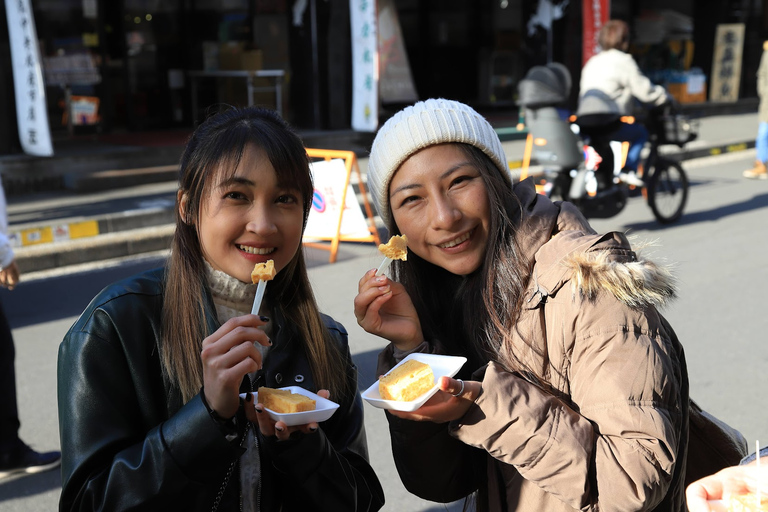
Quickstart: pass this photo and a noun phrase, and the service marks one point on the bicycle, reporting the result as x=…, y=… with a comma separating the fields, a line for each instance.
x=667, y=183
x=572, y=176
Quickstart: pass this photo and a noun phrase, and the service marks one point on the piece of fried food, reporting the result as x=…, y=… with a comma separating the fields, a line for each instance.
x=283, y=401
x=263, y=271
x=396, y=248
x=748, y=503
x=407, y=382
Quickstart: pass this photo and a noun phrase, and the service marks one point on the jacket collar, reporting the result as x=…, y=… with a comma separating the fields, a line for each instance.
x=564, y=248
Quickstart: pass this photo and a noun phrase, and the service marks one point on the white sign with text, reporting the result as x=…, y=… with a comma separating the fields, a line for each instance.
x=329, y=178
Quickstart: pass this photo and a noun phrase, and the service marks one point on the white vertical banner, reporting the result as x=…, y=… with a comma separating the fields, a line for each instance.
x=365, y=65
x=31, y=112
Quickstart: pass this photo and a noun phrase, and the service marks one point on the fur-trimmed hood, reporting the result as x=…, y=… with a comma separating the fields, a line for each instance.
x=565, y=248
x=595, y=263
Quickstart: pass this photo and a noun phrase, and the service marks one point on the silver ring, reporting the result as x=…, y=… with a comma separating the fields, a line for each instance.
x=461, y=390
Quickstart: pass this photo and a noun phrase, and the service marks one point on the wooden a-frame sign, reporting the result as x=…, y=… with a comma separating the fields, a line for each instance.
x=350, y=162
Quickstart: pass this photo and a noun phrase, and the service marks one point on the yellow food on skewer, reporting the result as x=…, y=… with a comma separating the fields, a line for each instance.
x=396, y=248
x=263, y=271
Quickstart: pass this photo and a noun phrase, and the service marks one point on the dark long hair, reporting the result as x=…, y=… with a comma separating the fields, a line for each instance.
x=216, y=147
x=475, y=315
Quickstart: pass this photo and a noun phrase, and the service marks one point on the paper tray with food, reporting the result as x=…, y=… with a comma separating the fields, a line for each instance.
x=324, y=408
x=441, y=366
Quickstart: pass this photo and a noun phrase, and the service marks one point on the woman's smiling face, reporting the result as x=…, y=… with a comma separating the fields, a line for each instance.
x=248, y=217
x=440, y=202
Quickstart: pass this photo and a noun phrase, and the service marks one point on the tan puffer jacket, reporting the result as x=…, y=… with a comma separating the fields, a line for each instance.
x=607, y=429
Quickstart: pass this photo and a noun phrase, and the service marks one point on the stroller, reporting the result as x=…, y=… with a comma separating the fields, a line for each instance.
x=582, y=163
x=543, y=89
x=570, y=166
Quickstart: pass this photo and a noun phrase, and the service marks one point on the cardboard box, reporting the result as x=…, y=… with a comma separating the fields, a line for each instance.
x=687, y=86
x=235, y=56
x=684, y=92
x=251, y=60
x=229, y=55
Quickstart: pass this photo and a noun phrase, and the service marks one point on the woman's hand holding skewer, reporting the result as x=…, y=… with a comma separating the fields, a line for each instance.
x=228, y=355
x=384, y=308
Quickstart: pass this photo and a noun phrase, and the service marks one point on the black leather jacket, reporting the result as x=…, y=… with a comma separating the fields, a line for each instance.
x=128, y=442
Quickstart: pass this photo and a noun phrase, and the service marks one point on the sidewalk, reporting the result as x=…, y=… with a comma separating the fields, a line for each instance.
x=96, y=201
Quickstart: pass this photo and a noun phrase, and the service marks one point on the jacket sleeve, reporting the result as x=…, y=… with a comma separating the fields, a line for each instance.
x=431, y=463
x=614, y=445
x=641, y=86
x=330, y=468
x=119, y=451
x=6, y=252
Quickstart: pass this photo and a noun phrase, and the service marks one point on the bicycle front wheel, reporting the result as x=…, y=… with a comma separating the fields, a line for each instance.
x=667, y=191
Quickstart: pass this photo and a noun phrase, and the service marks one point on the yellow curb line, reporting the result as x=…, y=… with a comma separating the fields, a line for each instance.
x=54, y=233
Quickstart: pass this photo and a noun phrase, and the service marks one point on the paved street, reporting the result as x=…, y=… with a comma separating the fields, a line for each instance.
x=718, y=248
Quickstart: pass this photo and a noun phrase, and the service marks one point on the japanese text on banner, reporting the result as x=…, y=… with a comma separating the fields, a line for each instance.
x=365, y=76
x=31, y=113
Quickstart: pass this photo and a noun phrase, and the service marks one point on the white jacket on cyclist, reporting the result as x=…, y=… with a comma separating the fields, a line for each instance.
x=609, y=82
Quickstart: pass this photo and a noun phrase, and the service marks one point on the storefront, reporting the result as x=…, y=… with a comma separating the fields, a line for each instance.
x=477, y=51
x=682, y=44
x=130, y=61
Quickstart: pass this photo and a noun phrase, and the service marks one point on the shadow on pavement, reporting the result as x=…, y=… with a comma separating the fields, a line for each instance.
x=757, y=202
x=91, y=209
x=29, y=485
x=457, y=506
x=54, y=298
x=366, y=368
x=347, y=251
x=62, y=296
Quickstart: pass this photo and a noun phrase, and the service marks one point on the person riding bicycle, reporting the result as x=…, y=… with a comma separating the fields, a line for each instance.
x=610, y=82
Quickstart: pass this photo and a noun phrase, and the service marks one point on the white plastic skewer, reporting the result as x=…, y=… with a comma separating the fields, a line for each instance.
x=260, y=289
x=383, y=266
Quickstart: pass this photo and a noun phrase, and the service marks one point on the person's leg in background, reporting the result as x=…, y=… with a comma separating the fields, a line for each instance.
x=9, y=417
x=15, y=456
x=761, y=146
x=637, y=135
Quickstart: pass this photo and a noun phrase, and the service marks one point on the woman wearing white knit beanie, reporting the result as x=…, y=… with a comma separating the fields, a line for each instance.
x=574, y=393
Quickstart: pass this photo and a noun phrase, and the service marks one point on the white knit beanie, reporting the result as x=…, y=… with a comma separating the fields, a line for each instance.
x=424, y=124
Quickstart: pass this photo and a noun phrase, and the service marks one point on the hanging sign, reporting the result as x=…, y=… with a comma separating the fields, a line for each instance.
x=726, y=62
x=31, y=113
x=365, y=77
x=595, y=14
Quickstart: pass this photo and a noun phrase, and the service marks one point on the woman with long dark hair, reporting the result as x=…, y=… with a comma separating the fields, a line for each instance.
x=575, y=392
x=150, y=375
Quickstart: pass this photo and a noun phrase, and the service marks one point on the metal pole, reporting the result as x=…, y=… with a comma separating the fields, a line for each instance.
x=549, y=34
x=315, y=66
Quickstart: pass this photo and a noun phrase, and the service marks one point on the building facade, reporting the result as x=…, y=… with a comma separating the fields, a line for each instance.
x=138, y=53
